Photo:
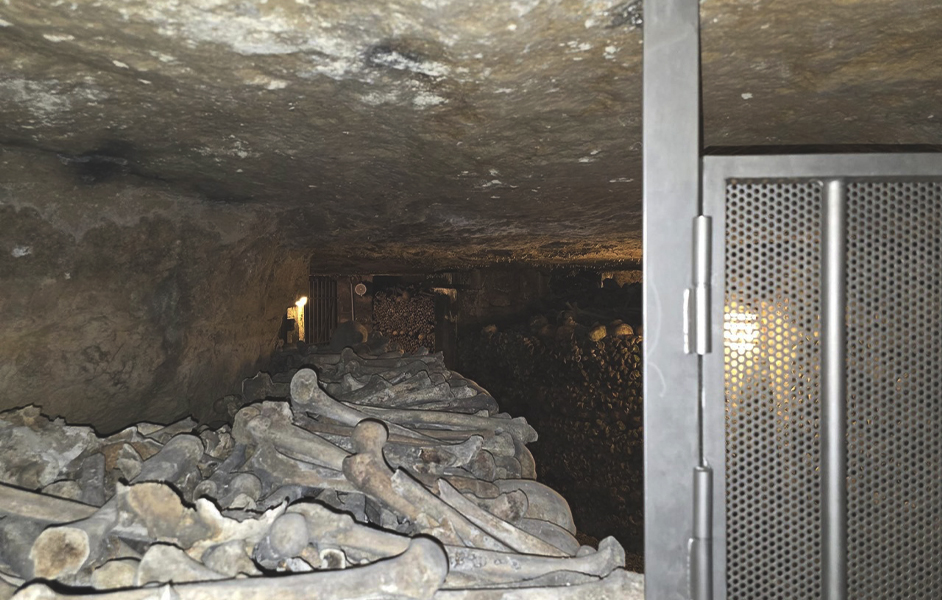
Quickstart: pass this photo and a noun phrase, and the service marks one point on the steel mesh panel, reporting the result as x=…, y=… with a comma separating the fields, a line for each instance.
x=894, y=386
x=772, y=380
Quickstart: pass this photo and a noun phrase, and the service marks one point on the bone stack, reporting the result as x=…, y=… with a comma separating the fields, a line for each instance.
x=356, y=476
x=405, y=317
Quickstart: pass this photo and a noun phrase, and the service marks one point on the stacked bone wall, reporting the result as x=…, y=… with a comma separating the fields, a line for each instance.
x=585, y=399
x=364, y=475
x=405, y=317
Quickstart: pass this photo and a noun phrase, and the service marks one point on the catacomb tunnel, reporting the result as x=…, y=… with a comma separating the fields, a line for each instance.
x=336, y=299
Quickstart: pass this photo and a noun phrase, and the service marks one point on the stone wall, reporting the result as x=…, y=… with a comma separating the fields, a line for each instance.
x=121, y=300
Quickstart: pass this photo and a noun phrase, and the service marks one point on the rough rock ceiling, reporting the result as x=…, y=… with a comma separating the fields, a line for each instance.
x=440, y=131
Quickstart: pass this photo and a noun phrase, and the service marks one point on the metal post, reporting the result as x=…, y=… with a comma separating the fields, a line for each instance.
x=672, y=147
x=833, y=401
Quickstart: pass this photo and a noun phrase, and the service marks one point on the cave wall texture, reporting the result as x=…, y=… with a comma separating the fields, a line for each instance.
x=136, y=302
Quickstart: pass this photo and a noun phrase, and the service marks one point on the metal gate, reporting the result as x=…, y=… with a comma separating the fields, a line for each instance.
x=322, y=309
x=793, y=358
x=823, y=396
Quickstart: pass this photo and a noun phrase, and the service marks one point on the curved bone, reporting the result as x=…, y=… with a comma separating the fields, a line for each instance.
x=368, y=471
x=404, y=494
x=518, y=427
x=512, y=536
x=306, y=394
x=471, y=567
x=619, y=585
x=415, y=574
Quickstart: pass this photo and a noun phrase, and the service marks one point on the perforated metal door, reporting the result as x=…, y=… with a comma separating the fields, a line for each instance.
x=772, y=360
x=894, y=387
x=773, y=363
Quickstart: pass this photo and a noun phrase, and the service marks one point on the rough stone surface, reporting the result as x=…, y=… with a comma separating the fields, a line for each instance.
x=125, y=301
x=399, y=128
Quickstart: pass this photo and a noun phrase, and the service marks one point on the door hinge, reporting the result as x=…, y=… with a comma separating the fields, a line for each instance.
x=700, y=560
x=698, y=299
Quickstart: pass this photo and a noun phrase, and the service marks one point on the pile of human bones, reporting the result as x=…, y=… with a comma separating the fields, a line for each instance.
x=359, y=475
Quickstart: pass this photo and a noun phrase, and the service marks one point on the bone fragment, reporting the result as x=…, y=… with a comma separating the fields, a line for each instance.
x=66, y=489
x=164, y=433
x=525, y=459
x=271, y=423
x=90, y=476
x=124, y=459
x=619, y=585
x=551, y=533
x=219, y=443
x=230, y=559
x=510, y=506
x=262, y=387
x=115, y=574
x=470, y=485
x=16, y=538
x=39, y=507
x=275, y=469
x=471, y=567
x=508, y=534
x=164, y=563
x=507, y=467
x=416, y=574
x=35, y=451
x=290, y=494
x=286, y=539
x=240, y=488
x=176, y=463
x=544, y=503
x=338, y=530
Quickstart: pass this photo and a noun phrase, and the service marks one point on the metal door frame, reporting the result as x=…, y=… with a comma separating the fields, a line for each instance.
x=717, y=170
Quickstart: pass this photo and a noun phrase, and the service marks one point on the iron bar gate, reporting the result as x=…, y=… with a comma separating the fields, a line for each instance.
x=322, y=308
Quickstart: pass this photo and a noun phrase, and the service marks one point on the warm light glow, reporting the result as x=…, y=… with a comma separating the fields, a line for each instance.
x=299, y=315
x=741, y=331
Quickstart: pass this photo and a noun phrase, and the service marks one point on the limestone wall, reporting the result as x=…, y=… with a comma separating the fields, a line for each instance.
x=122, y=301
